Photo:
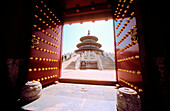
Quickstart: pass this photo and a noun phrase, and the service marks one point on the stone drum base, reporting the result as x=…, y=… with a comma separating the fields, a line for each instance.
x=31, y=91
x=128, y=100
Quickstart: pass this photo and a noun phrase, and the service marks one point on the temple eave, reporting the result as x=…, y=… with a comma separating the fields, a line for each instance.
x=80, y=50
x=88, y=43
x=88, y=37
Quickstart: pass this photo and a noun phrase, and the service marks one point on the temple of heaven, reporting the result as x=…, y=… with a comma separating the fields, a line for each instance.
x=89, y=43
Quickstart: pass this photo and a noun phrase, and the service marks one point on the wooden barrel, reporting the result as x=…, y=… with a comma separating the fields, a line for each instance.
x=31, y=91
x=128, y=100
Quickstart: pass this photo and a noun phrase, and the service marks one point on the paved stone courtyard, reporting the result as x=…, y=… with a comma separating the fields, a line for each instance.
x=75, y=97
x=105, y=75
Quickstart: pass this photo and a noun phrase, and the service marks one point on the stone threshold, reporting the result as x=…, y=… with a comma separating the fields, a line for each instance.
x=85, y=81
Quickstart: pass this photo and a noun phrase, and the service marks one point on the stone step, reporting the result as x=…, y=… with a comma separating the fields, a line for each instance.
x=84, y=81
x=71, y=65
x=107, y=63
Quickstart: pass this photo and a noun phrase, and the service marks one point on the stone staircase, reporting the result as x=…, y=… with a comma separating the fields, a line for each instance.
x=107, y=63
x=65, y=64
x=71, y=65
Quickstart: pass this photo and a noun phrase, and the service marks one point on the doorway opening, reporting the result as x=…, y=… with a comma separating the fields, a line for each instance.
x=88, y=52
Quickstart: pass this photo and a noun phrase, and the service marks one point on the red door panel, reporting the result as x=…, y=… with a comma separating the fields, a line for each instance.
x=127, y=47
x=45, y=53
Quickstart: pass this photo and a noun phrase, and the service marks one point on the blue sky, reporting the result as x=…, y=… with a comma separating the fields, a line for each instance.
x=101, y=29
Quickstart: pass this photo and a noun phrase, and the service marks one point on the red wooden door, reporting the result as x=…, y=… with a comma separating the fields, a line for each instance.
x=127, y=48
x=45, y=54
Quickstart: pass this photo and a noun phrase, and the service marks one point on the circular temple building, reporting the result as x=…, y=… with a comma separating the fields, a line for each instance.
x=89, y=43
